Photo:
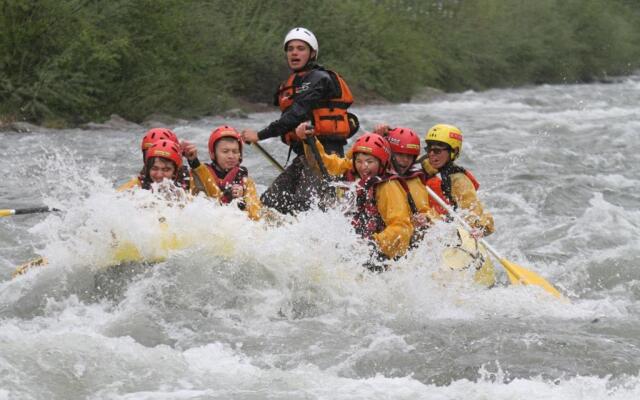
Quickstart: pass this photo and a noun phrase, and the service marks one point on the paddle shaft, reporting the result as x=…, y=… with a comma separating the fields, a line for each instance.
x=269, y=157
x=461, y=220
x=516, y=273
x=30, y=210
x=310, y=140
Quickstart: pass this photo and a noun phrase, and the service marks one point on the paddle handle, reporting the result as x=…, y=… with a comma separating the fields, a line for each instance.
x=461, y=220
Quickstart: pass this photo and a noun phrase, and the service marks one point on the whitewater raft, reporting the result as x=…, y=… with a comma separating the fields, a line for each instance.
x=467, y=254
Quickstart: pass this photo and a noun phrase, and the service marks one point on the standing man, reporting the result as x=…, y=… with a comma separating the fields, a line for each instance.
x=311, y=93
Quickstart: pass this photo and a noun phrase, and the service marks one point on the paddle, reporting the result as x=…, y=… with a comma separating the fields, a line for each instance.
x=31, y=210
x=268, y=156
x=516, y=273
x=22, y=269
x=310, y=141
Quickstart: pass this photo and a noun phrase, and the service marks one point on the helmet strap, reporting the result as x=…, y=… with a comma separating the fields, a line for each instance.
x=217, y=166
x=394, y=163
x=453, y=154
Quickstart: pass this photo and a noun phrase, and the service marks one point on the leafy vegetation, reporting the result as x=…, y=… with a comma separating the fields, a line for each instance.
x=72, y=61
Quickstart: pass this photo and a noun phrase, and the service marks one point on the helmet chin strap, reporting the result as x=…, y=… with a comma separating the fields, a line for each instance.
x=217, y=166
x=395, y=165
x=453, y=155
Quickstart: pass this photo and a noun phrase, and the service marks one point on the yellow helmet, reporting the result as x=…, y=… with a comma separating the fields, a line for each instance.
x=447, y=134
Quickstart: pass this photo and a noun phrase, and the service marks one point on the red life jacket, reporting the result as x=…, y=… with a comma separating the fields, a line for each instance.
x=235, y=176
x=330, y=116
x=442, y=185
x=367, y=219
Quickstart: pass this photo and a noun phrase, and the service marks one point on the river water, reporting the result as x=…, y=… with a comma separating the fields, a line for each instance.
x=248, y=310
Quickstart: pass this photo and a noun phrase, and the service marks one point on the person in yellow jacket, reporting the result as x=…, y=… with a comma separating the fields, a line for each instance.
x=405, y=149
x=163, y=160
x=224, y=178
x=382, y=212
x=454, y=184
x=142, y=180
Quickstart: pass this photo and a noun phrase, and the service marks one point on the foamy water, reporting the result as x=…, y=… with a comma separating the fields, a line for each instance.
x=249, y=310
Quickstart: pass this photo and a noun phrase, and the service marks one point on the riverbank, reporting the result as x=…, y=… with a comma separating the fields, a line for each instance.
x=240, y=109
x=66, y=63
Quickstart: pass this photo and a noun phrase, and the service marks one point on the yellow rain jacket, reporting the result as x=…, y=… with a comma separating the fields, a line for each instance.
x=337, y=166
x=391, y=202
x=421, y=198
x=211, y=188
x=466, y=198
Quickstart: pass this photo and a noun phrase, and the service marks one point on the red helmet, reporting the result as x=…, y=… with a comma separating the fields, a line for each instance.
x=155, y=134
x=403, y=141
x=219, y=133
x=374, y=144
x=165, y=149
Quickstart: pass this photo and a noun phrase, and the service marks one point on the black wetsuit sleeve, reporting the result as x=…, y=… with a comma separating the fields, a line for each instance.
x=320, y=87
x=193, y=164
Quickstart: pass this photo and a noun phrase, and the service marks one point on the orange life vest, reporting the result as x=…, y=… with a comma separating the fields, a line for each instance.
x=330, y=116
x=435, y=183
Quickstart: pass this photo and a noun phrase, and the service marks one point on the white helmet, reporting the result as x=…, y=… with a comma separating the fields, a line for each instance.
x=302, y=34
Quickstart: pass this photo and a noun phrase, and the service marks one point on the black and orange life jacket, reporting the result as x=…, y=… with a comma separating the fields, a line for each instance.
x=330, y=117
x=442, y=185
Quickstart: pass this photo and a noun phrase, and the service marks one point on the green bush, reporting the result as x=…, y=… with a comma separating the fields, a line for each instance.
x=79, y=60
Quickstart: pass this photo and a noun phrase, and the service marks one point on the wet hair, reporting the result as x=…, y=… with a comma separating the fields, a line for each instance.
x=146, y=181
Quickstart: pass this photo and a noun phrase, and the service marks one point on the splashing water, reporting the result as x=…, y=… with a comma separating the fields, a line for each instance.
x=251, y=310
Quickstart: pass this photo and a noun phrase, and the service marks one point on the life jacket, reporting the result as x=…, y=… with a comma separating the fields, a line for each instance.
x=441, y=184
x=330, y=117
x=235, y=176
x=367, y=219
x=415, y=171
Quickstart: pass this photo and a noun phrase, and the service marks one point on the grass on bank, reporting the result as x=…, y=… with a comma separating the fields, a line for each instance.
x=73, y=61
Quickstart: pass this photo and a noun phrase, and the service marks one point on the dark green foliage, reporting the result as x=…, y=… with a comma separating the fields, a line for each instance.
x=81, y=60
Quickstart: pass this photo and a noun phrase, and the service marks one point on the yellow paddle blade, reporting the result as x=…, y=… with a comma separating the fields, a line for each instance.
x=6, y=213
x=37, y=262
x=126, y=252
x=520, y=275
x=512, y=278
